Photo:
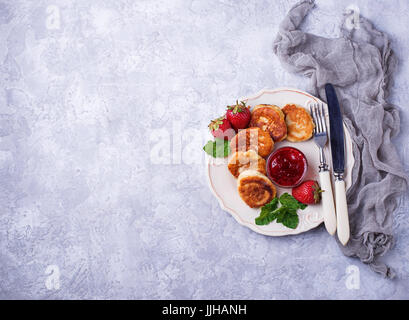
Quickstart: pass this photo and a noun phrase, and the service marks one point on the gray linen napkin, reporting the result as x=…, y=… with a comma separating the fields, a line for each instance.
x=359, y=65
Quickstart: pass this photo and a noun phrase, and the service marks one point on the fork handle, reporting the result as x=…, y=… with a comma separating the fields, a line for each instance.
x=328, y=202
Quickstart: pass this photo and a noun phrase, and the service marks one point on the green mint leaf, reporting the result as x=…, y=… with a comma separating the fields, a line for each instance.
x=219, y=148
x=280, y=214
x=208, y=148
x=265, y=218
x=286, y=214
x=222, y=147
x=290, y=219
x=267, y=214
x=290, y=202
x=271, y=206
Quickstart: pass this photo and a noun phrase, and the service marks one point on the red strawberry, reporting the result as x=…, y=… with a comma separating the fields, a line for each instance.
x=309, y=192
x=238, y=115
x=221, y=128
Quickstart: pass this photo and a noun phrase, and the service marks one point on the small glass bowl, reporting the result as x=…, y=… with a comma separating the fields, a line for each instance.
x=289, y=167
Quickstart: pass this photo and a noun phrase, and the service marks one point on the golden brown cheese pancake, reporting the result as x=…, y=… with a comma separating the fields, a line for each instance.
x=244, y=160
x=252, y=139
x=269, y=118
x=255, y=189
x=300, y=125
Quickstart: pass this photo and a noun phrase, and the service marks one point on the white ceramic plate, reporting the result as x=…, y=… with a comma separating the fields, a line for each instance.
x=224, y=185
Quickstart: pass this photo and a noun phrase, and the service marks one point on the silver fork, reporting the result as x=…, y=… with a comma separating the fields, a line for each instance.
x=320, y=138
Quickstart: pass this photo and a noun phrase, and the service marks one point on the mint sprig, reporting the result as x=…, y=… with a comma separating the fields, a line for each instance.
x=219, y=148
x=267, y=214
x=286, y=214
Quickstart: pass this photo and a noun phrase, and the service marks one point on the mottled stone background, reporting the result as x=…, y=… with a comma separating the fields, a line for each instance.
x=87, y=87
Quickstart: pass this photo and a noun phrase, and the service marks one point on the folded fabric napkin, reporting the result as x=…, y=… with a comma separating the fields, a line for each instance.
x=359, y=65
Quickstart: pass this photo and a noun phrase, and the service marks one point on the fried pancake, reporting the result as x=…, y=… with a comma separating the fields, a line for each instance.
x=252, y=139
x=243, y=160
x=300, y=125
x=255, y=189
x=269, y=118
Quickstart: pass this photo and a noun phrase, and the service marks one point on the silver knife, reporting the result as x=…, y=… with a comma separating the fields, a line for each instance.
x=338, y=162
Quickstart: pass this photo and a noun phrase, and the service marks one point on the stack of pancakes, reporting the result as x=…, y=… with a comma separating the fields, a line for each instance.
x=269, y=124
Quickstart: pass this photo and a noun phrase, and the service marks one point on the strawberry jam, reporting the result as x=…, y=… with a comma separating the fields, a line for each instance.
x=287, y=167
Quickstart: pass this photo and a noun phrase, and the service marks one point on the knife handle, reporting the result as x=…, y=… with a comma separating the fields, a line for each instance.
x=342, y=211
x=327, y=199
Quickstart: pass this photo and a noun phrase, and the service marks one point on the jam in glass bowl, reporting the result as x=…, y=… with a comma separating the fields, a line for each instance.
x=287, y=167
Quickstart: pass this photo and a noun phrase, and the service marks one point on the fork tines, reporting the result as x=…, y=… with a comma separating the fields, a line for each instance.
x=318, y=115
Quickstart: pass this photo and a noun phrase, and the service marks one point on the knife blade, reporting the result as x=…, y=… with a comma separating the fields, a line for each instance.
x=338, y=162
x=337, y=130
